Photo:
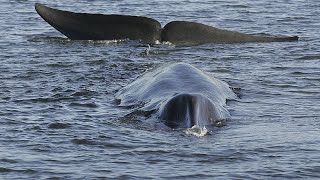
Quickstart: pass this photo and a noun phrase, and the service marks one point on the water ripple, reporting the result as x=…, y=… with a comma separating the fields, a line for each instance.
x=59, y=120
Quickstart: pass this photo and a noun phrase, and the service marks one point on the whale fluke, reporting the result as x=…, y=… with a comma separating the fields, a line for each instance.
x=188, y=33
x=83, y=26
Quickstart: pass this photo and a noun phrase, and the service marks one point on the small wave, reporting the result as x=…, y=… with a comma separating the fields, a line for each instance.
x=5, y=160
x=83, y=142
x=310, y=57
x=115, y=41
x=197, y=131
x=84, y=93
x=236, y=6
x=41, y=38
x=88, y=105
x=59, y=65
x=43, y=100
x=7, y=170
x=58, y=125
x=4, y=170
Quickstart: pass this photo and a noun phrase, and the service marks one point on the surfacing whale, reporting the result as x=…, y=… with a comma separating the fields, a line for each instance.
x=180, y=96
x=83, y=26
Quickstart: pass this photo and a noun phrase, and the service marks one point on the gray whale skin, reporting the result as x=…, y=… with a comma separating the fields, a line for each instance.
x=180, y=95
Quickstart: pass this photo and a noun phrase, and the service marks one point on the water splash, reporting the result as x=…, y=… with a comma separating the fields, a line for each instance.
x=197, y=131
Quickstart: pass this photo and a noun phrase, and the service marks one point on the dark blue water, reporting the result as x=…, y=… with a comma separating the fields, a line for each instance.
x=59, y=118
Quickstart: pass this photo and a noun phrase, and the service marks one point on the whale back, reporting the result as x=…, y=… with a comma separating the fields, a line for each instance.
x=187, y=110
x=83, y=26
x=174, y=79
x=182, y=88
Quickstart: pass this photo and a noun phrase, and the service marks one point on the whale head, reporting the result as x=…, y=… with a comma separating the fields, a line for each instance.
x=186, y=110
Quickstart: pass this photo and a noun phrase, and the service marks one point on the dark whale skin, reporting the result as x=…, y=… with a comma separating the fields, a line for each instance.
x=84, y=26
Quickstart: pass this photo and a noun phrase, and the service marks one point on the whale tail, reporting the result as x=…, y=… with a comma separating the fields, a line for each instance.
x=187, y=110
x=187, y=33
x=284, y=39
x=83, y=26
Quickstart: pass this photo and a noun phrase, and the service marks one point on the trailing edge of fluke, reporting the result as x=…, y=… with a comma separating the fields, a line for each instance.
x=84, y=26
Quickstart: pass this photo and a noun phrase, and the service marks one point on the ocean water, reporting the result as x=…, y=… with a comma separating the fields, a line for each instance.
x=59, y=118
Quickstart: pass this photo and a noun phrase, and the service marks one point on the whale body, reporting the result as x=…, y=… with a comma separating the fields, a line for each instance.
x=84, y=26
x=180, y=95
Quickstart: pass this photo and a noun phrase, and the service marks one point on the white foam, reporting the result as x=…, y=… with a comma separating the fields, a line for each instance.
x=157, y=42
x=196, y=131
x=168, y=43
x=115, y=41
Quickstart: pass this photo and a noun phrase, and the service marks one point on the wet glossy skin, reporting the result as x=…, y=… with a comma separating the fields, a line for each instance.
x=181, y=95
x=83, y=26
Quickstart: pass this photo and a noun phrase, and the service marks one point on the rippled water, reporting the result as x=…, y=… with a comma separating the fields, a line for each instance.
x=59, y=118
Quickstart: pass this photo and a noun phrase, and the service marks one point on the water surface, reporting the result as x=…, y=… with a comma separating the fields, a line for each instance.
x=59, y=119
